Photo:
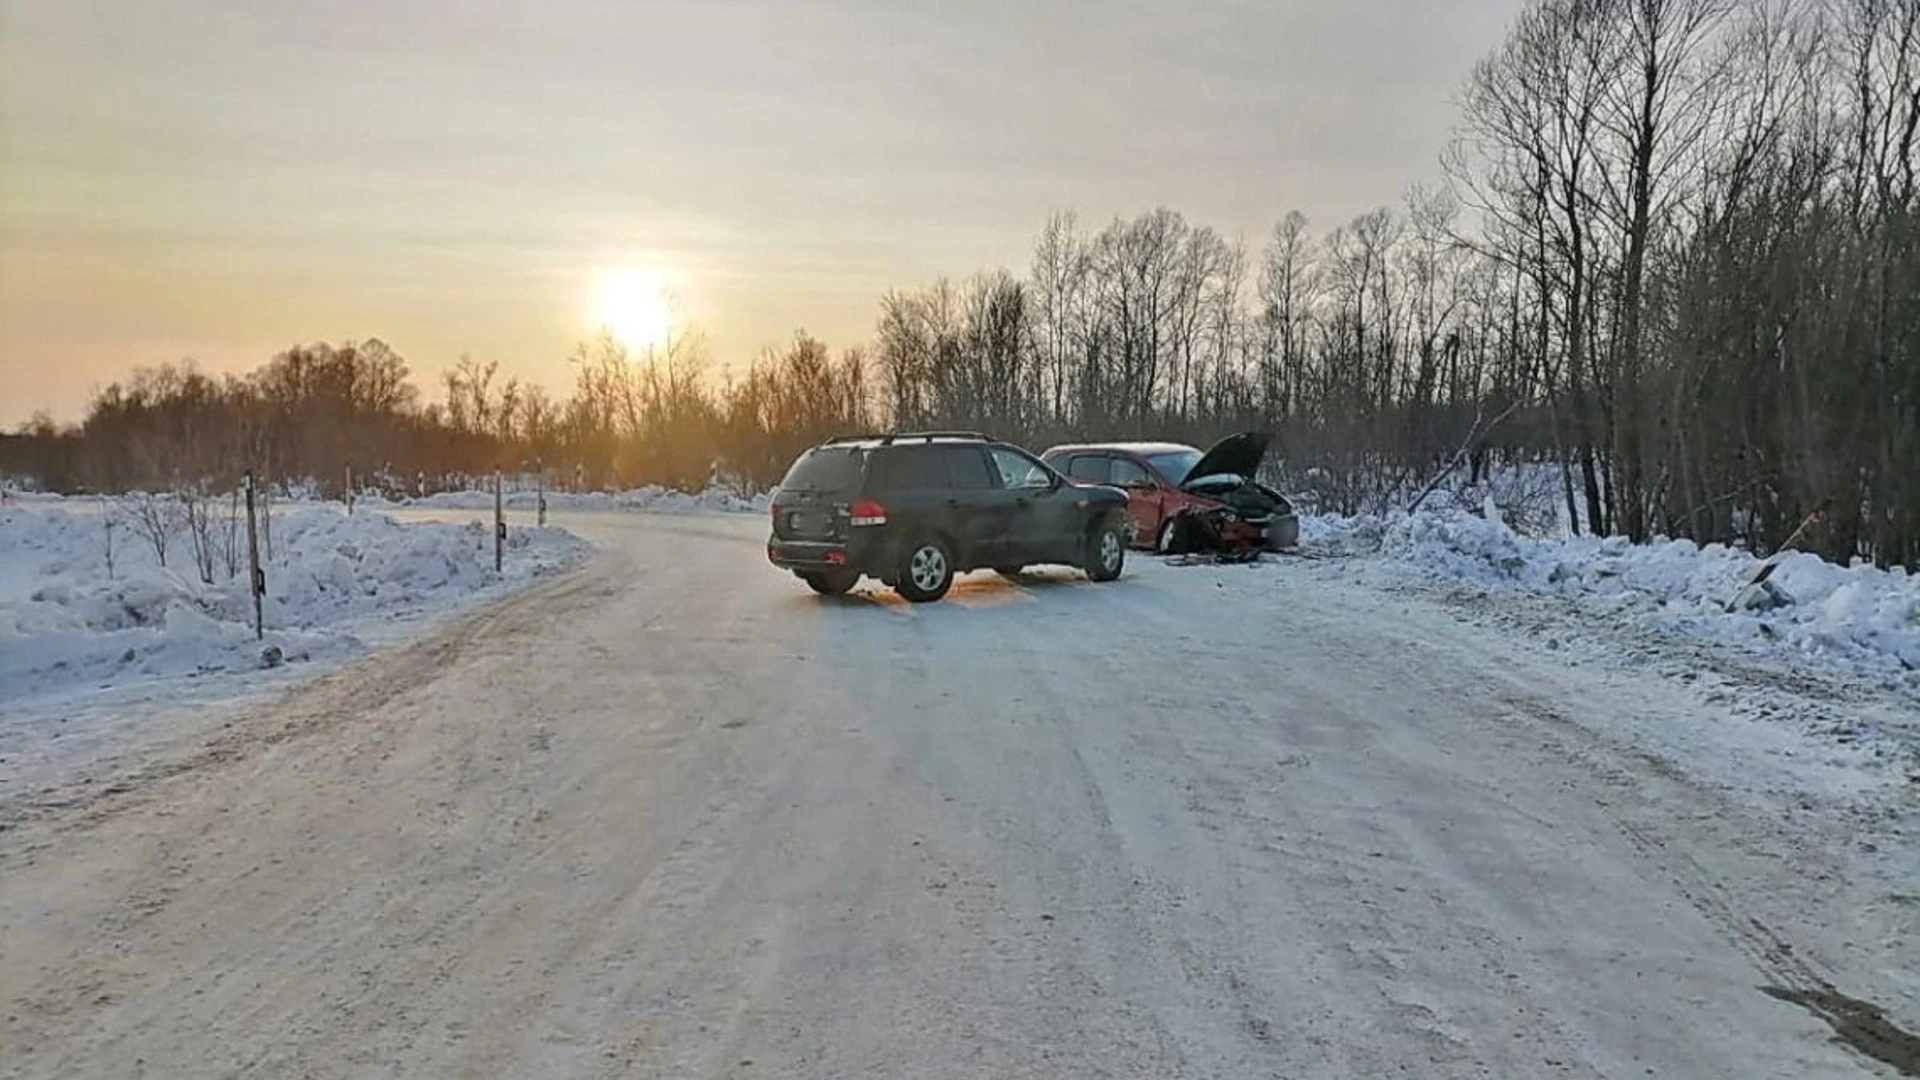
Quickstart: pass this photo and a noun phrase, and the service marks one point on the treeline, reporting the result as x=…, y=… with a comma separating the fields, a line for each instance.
x=1676, y=252
x=318, y=417
x=1704, y=211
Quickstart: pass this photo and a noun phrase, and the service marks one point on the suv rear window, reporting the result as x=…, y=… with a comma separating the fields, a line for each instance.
x=829, y=468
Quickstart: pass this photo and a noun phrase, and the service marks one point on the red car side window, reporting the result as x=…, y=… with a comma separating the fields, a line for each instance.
x=1128, y=473
x=1089, y=468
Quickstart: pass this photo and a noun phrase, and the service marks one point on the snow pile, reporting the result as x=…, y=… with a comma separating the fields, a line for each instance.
x=1529, y=495
x=1858, y=617
x=66, y=623
x=650, y=499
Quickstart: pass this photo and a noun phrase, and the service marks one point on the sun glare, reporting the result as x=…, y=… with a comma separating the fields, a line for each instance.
x=633, y=306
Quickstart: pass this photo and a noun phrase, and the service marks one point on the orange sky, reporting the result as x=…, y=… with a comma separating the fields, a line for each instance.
x=194, y=178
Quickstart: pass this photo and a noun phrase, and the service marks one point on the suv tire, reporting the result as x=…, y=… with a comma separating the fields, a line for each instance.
x=831, y=582
x=1106, y=551
x=926, y=570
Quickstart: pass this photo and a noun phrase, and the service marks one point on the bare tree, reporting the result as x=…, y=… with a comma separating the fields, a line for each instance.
x=1656, y=111
x=196, y=513
x=1058, y=287
x=1287, y=292
x=155, y=519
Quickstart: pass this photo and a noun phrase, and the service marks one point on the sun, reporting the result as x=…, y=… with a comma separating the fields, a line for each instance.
x=634, y=307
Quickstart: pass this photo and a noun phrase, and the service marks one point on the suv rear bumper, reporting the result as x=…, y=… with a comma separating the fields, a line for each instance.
x=807, y=555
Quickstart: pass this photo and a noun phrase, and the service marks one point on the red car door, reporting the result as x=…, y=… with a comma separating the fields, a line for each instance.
x=1146, y=498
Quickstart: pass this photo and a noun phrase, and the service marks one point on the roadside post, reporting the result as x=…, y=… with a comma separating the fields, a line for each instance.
x=256, y=577
x=499, y=525
x=1758, y=591
x=540, y=490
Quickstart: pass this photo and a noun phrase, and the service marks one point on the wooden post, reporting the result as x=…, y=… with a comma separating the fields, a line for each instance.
x=349, y=489
x=257, y=579
x=540, y=490
x=106, y=518
x=1773, y=561
x=499, y=525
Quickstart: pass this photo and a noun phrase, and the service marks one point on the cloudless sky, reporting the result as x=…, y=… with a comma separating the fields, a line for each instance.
x=218, y=179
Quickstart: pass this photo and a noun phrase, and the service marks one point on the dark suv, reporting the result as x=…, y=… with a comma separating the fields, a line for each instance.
x=914, y=510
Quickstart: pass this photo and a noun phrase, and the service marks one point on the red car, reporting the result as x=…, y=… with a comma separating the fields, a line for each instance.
x=1163, y=479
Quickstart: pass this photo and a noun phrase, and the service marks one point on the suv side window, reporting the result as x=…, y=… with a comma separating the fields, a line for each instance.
x=908, y=468
x=968, y=466
x=890, y=470
x=930, y=469
x=1018, y=472
x=1128, y=473
x=1090, y=468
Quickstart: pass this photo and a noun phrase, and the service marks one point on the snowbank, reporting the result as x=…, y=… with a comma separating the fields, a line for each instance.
x=66, y=624
x=1858, y=618
x=651, y=499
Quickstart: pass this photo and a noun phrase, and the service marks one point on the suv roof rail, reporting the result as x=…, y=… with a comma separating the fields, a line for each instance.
x=901, y=436
x=929, y=436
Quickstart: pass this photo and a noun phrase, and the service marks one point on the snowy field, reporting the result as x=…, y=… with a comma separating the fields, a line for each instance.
x=85, y=648
x=77, y=635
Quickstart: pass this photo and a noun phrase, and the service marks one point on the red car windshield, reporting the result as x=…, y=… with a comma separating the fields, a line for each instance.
x=1175, y=465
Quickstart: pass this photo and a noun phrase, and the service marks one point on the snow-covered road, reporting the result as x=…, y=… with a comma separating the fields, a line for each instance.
x=671, y=815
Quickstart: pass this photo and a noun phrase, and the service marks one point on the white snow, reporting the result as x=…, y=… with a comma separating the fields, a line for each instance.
x=70, y=632
x=650, y=499
x=1818, y=697
x=73, y=636
x=1859, y=619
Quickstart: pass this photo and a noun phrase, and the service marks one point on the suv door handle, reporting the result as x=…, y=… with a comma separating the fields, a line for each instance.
x=953, y=503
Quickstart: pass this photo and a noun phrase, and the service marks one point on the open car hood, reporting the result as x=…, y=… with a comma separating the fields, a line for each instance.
x=1235, y=455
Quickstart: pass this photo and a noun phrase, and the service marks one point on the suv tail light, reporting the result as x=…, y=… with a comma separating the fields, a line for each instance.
x=865, y=512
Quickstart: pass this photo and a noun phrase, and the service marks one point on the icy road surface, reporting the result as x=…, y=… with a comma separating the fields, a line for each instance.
x=673, y=816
